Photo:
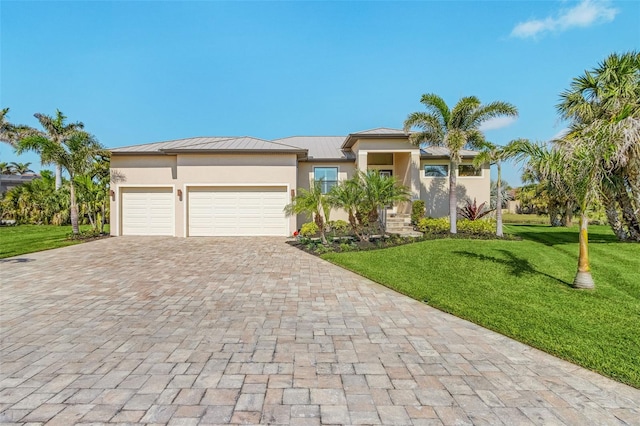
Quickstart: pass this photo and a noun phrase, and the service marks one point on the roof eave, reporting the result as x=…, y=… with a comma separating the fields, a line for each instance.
x=353, y=137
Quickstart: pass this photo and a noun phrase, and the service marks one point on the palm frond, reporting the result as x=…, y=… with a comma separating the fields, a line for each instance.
x=436, y=105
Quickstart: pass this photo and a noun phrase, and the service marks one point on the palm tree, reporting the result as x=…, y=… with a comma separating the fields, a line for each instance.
x=575, y=171
x=312, y=203
x=75, y=153
x=494, y=154
x=379, y=191
x=454, y=129
x=347, y=195
x=11, y=133
x=20, y=168
x=58, y=132
x=603, y=107
x=6, y=169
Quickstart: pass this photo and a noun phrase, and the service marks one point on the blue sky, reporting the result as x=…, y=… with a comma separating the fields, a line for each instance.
x=138, y=72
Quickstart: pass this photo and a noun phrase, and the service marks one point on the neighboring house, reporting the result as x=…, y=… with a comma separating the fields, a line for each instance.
x=217, y=186
x=8, y=182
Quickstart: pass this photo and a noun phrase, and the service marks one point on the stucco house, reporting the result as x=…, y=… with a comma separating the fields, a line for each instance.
x=230, y=186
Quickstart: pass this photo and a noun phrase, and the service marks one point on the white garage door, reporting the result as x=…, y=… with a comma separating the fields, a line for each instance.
x=232, y=211
x=147, y=211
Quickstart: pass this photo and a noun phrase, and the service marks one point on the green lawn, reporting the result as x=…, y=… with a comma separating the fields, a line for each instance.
x=22, y=239
x=525, y=219
x=522, y=289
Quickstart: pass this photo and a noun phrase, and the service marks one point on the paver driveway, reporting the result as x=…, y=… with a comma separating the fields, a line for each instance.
x=214, y=330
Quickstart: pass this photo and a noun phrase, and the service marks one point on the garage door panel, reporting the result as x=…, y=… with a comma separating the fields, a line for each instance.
x=147, y=211
x=231, y=211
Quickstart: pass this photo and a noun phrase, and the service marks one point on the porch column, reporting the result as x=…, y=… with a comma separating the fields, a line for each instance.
x=414, y=168
x=362, y=161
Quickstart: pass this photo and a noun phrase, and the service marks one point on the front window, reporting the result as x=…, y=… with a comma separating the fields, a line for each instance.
x=468, y=170
x=327, y=176
x=436, y=170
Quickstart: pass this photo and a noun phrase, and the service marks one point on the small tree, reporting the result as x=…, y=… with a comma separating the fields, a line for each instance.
x=494, y=154
x=312, y=203
x=74, y=154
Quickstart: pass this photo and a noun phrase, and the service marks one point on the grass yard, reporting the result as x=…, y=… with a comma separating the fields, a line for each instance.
x=529, y=219
x=522, y=289
x=22, y=239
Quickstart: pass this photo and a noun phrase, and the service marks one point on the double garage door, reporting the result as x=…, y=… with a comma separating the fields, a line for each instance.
x=221, y=211
x=211, y=211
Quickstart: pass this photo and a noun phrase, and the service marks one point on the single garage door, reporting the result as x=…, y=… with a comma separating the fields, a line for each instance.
x=233, y=211
x=147, y=211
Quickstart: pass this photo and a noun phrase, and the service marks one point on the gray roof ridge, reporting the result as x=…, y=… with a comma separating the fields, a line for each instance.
x=376, y=128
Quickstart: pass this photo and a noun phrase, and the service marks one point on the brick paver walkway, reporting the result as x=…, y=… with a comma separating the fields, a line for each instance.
x=214, y=330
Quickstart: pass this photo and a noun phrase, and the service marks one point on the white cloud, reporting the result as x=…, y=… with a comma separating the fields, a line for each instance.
x=496, y=123
x=584, y=14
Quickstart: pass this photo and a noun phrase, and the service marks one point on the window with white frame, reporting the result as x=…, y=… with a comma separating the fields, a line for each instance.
x=327, y=176
x=468, y=170
x=436, y=170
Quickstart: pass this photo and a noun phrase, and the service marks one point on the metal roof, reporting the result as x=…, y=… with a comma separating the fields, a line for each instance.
x=380, y=132
x=200, y=144
x=320, y=147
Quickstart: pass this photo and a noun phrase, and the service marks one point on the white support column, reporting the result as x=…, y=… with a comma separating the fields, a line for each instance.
x=415, y=174
x=362, y=161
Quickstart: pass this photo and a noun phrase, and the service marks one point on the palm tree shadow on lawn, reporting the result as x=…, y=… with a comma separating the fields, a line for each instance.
x=561, y=237
x=519, y=266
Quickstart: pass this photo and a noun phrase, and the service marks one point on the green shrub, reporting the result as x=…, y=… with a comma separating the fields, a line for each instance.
x=433, y=226
x=476, y=227
x=339, y=227
x=417, y=211
x=348, y=247
x=322, y=249
x=309, y=229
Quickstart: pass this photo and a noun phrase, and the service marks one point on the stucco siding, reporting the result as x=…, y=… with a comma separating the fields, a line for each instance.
x=435, y=190
x=184, y=171
x=346, y=171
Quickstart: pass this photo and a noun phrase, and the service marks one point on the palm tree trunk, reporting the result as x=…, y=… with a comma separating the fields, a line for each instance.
x=75, y=229
x=583, y=277
x=58, y=176
x=612, y=215
x=629, y=215
x=568, y=214
x=453, y=202
x=499, y=204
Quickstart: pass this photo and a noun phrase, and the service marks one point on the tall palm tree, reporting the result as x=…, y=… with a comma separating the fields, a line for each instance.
x=603, y=107
x=10, y=133
x=575, y=171
x=75, y=153
x=454, y=129
x=58, y=132
x=494, y=154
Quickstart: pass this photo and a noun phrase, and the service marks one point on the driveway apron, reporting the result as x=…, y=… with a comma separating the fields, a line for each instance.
x=250, y=330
